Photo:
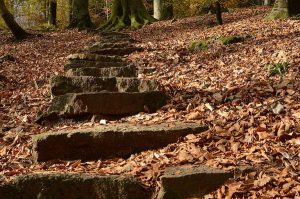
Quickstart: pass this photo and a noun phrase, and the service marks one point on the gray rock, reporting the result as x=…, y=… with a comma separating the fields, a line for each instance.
x=74, y=105
x=122, y=44
x=75, y=63
x=95, y=57
x=147, y=70
x=187, y=182
x=114, y=51
x=73, y=186
x=61, y=85
x=109, y=141
x=109, y=37
x=127, y=71
x=115, y=39
x=123, y=48
x=114, y=34
x=136, y=85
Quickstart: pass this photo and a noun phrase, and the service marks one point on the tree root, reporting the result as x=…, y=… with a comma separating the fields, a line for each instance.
x=130, y=13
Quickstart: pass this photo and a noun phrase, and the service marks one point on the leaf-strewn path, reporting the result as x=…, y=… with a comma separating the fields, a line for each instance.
x=254, y=117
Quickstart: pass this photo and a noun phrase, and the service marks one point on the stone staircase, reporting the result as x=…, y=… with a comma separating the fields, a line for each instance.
x=100, y=81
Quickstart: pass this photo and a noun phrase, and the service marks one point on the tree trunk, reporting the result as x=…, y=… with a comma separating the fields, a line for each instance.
x=80, y=14
x=18, y=32
x=285, y=8
x=127, y=13
x=158, y=9
x=52, y=12
x=294, y=7
x=168, y=11
x=267, y=2
x=219, y=13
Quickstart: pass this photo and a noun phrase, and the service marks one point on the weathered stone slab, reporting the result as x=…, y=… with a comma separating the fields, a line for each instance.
x=61, y=85
x=73, y=105
x=119, y=48
x=95, y=57
x=92, y=64
x=115, y=37
x=136, y=85
x=109, y=141
x=114, y=34
x=121, y=44
x=73, y=186
x=127, y=71
x=114, y=51
x=147, y=70
x=184, y=182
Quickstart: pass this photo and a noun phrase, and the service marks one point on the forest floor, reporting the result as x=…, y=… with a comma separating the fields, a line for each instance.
x=254, y=116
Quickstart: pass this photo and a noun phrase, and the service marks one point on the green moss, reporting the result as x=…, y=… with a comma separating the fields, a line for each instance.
x=198, y=45
x=279, y=68
x=231, y=40
x=45, y=27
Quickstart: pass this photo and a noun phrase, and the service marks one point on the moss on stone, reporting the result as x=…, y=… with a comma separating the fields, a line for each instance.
x=198, y=45
x=231, y=40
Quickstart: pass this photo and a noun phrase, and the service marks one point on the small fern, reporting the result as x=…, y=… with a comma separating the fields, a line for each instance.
x=231, y=40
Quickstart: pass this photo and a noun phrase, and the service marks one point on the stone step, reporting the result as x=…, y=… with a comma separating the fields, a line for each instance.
x=109, y=141
x=75, y=63
x=191, y=182
x=127, y=71
x=109, y=48
x=95, y=57
x=122, y=44
x=61, y=85
x=113, y=51
x=73, y=186
x=115, y=37
x=146, y=70
x=113, y=34
x=74, y=105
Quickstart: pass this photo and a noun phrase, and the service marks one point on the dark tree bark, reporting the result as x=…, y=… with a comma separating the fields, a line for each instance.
x=127, y=13
x=294, y=7
x=52, y=12
x=219, y=13
x=18, y=32
x=80, y=17
x=285, y=8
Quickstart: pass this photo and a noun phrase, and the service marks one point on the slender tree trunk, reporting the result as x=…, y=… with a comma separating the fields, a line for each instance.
x=52, y=12
x=127, y=13
x=158, y=9
x=267, y=2
x=219, y=13
x=80, y=14
x=18, y=32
